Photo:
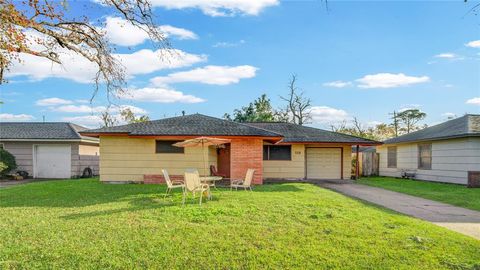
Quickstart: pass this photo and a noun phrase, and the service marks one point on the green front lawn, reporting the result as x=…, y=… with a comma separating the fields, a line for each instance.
x=447, y=193
x=88, y=225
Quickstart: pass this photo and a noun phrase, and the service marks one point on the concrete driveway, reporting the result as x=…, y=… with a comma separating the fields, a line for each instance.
x=455, y=218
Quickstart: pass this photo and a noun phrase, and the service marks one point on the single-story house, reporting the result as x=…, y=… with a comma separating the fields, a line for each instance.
x=137, y=152
x=50, y=150
x=448, y=152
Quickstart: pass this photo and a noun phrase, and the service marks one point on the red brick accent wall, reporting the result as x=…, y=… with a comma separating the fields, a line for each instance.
x=158, y=178
x=246, y=154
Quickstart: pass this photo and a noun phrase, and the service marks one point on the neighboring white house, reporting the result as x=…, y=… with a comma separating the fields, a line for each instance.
x=50, y=150
x=447, y=152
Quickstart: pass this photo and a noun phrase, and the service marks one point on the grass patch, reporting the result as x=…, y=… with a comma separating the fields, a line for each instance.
x=448, y=193
x=88, y=225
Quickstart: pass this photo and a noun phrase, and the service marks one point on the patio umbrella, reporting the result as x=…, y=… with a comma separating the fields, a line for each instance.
x=204, y=142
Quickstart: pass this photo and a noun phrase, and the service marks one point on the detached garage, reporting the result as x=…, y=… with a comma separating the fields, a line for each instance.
x=50, y=150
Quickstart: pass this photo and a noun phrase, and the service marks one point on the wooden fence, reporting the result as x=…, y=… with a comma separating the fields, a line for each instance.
x=368, y=163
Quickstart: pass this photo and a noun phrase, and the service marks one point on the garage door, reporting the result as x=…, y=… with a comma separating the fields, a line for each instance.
x=324, y=163
x=52, y=161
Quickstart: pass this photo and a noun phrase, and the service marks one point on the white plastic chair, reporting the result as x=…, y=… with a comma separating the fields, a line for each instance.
x=193, y=185
x=245, y=183
x=171, y=184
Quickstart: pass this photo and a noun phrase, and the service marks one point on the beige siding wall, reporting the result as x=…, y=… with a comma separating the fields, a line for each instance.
x=296, y=167
x=85, y=155
x=451, y=160
x=128, y=159
x=23, y=152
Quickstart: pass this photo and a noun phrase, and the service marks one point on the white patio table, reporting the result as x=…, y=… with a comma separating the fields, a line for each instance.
x=210, y=180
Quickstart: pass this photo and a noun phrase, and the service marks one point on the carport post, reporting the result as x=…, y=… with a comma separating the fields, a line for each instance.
x=356, y=162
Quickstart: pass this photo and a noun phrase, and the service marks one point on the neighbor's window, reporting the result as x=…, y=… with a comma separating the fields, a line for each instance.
x=277, y=152
x=425, y=156
x=166, y=147
x=392, y=157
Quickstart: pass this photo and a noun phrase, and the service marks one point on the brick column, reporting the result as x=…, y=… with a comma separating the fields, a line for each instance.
x=246, y=154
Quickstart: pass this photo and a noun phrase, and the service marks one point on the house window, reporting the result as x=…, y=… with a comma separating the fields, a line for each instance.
x=1, y=146
x=277, y=152
x=392, y=157
x=425, y=156
x=166, y=147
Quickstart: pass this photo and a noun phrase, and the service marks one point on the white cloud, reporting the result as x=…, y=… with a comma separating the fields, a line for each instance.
x=217, y=75
x=81, y=70
x=121, y=32
x=474, y=101
x=328, y=115
x=180, y=33
x=78, y=109
x=225, y=44
x=132, y=108
x=337, y=84
x=219, y=7
x=147, y=61
x=82, y=101
x=473, y=44
x=161, y=95
x=449, y=115
x=389, y=80
x=52, y=101
x=91, y=121
x=8, y=117
x=96, y=109
x=446, y=55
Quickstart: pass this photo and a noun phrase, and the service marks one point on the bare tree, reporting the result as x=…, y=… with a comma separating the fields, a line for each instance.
x=339, y=127
x=108, y=120
x=395, y=122
x=52, y=30
x=298, y=106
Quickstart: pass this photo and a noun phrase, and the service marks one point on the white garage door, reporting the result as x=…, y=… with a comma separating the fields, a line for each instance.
x=324, y=163
x=52, y=161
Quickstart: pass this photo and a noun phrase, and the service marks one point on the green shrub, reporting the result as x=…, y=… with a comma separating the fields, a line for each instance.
x=7, y=162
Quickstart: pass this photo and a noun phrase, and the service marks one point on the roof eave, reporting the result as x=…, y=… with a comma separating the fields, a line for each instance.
x=324, y=142
x=98, y=134
x=93, y=140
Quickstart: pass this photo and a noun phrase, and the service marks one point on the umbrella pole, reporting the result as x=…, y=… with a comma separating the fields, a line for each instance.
x=204, y=159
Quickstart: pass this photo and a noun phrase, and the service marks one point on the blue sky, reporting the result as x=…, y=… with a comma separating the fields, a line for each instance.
x=362, y=59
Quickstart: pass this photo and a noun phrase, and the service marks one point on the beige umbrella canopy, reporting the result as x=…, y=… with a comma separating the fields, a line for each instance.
x=204, y=142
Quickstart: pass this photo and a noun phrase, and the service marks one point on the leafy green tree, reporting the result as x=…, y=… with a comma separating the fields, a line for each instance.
x=7, y=162
x=410, y=118
x=130, y=117
x=260, y=110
